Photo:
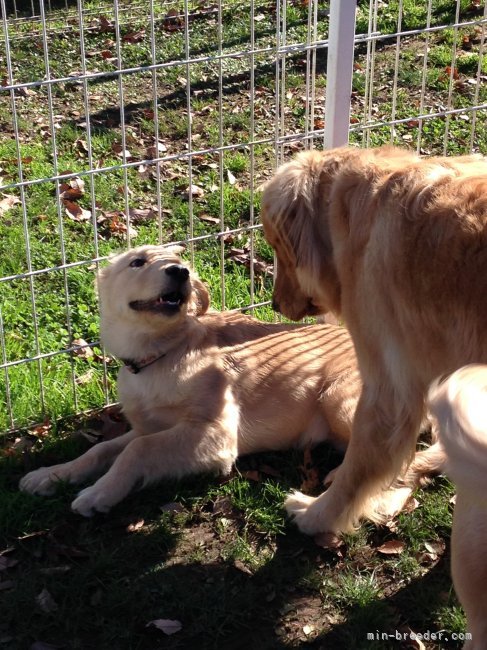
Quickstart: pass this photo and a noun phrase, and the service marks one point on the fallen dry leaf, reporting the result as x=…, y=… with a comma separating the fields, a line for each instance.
x=46, y=602
x=173, y=507
x=173, y=21
x=134, y=37
x=8, y=202
x=140, y=214
x=76, y=212
x=209, y=219
x=328, y=540
x=195, y=190
x=166, y=625
x=81, y=349
x=137, y=525
x=311, y=479
x=238, y=564
x=392, y=547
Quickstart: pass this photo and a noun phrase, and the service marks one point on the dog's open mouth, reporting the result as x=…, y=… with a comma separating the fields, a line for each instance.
x=167, y=302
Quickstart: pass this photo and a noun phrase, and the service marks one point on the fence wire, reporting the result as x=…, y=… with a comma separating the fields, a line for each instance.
x=125, y=123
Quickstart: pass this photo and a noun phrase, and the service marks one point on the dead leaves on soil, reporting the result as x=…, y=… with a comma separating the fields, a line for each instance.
x=166, y=625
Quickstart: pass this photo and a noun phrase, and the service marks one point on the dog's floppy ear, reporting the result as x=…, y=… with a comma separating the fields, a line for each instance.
x=174, y=249
x=200, y=298
x=295, y=208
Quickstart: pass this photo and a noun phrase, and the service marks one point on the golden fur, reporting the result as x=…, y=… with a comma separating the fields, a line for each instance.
x=397, y=246
x=460, y=406
x=218, y=391
x=226, y=385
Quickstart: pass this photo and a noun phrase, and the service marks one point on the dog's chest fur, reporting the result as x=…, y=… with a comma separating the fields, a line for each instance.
x=172, y=389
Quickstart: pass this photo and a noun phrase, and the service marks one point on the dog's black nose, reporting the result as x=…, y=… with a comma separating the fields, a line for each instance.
x=178, y=271
x=275, y=305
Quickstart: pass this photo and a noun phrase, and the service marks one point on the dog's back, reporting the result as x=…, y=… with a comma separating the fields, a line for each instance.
x=420, y=228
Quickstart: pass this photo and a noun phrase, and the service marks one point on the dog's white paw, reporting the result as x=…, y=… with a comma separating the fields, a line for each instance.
x=299, y=507
x=42, y=481
x=91, y=500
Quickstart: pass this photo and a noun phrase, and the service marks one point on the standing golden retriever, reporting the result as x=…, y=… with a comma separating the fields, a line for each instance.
x=201, y=388
x=460, y=406
x=396, y=245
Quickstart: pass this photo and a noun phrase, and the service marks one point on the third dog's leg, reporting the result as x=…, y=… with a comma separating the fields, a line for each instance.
x=380, y=445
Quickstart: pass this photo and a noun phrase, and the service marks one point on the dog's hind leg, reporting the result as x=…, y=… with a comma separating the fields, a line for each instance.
x=91, y=463
x=379, y=447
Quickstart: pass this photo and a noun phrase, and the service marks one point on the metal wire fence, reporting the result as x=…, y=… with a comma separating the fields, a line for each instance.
x=129, y=122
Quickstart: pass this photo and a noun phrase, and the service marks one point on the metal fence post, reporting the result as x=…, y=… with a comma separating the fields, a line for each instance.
x=339, y=72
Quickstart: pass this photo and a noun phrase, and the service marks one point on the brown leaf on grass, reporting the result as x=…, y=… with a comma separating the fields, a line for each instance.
x=311, y=479
x=109, y=423
x=173, y=21
x=142, y=214
x=166, y=625
x=209, y=219
x=134, y=37
x=118, y=149
x=135, y=526
x=242, y=256
x=85, y=378
x=116, y=224
x=436, y=548
x=103, y=25
x=75, y=212
x=7, y=203
x=328, y=541
x=238, y=564
x=223, y=506
x=173, y=507
x=392, y=547
x=81, y=349
x=46, y=602
x=81, y=145
x=73, y=189
x=195, y=190
x=155, y=150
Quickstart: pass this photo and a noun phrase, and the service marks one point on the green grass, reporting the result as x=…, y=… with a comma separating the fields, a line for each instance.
x=230, y=566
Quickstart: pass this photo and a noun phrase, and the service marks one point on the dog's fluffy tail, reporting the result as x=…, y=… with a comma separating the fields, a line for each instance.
x=460, y=405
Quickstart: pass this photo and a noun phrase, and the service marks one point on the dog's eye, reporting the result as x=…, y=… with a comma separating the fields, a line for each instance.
x=139, y=261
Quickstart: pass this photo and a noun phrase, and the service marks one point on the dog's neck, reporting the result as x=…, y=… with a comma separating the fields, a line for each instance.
x=136, y=366
x=140, y=349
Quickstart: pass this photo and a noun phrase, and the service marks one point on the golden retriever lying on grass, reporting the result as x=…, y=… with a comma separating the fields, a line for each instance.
x=201, y=388
x=397, y=246
x=460, y=406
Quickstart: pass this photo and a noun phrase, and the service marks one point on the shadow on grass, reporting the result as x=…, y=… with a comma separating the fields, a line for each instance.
x=110, y=576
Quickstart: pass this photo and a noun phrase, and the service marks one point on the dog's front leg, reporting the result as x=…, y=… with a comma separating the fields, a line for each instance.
x=376, y=453
x=184, y=449
x=43, y=480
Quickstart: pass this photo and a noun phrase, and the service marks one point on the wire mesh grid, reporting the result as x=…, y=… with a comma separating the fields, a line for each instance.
x=126, y=123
